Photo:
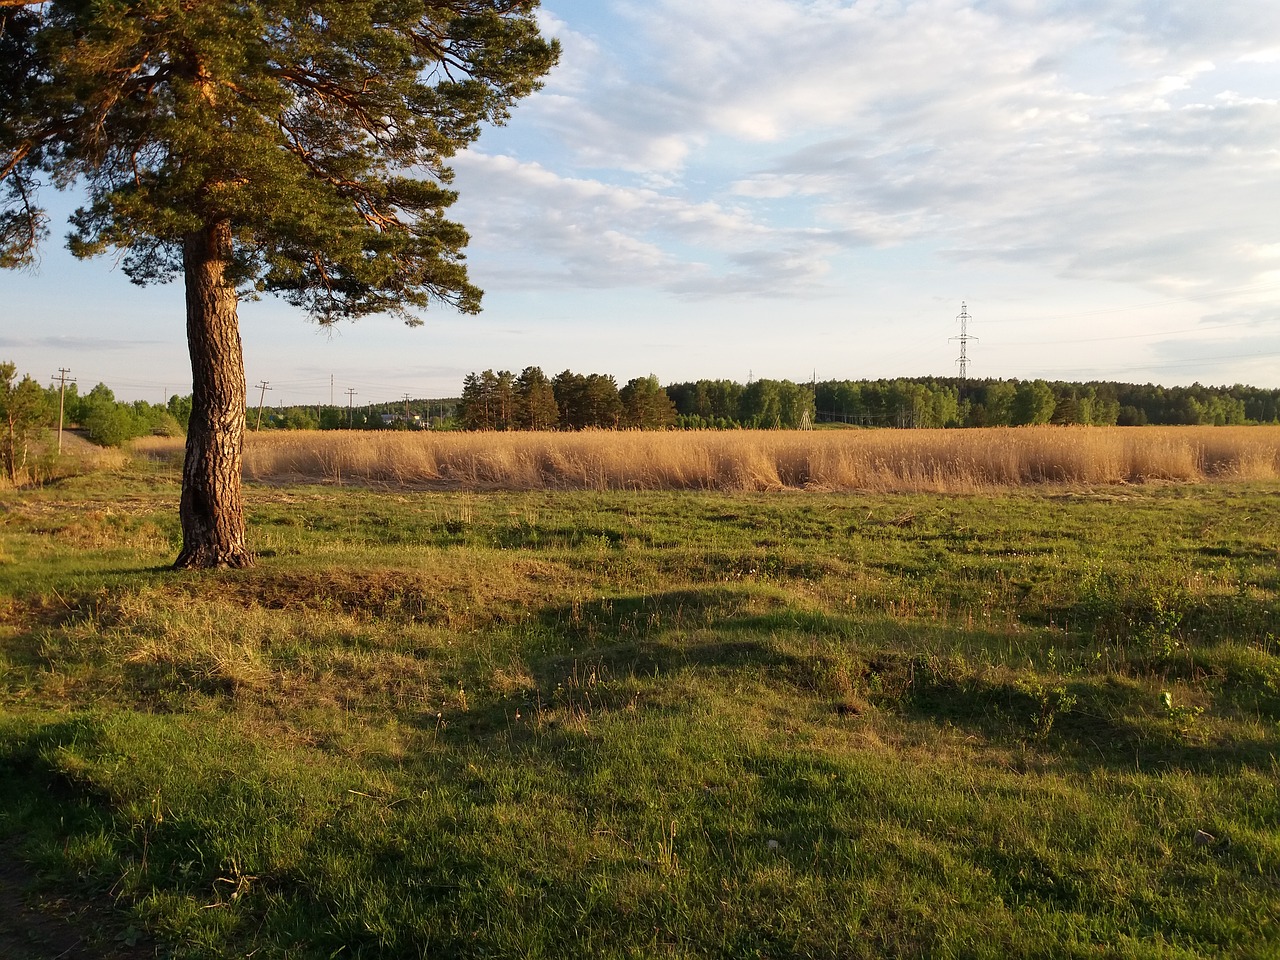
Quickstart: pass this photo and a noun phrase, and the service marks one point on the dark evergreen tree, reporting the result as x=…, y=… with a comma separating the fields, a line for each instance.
x=603, y=405
x=281, y=147
x=570, y=391
x=645, y=405
x=536, y=407
x=488, y=401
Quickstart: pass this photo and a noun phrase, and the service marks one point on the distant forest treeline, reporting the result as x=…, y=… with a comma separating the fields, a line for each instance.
x=531, y=400
x=504, y=401
x=950, y=402
x=110, y=422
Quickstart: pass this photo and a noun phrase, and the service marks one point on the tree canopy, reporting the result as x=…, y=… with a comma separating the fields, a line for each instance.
x=24, y=409
x=319, y=131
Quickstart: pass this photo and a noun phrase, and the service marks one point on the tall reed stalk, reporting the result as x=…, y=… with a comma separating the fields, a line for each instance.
x=876, y=460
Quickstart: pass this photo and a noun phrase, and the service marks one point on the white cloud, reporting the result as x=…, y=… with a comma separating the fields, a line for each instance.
x=1270, y=55
x=1262, y=251
x=1065, y=133
x=593, y=234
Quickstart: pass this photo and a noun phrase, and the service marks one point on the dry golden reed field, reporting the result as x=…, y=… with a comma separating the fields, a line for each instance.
x=874, y=460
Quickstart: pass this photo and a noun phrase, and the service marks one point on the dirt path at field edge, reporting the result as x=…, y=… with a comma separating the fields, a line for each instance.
x=40, y=923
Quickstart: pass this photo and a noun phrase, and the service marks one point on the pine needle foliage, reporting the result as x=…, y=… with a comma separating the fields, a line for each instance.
x=320, y=131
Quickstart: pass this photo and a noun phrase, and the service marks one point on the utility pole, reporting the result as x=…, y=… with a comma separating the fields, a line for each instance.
x=261, y=397
x=964, y=339
x=62, y=400
x=406, y=410
x=808, y=417
x=350, y=394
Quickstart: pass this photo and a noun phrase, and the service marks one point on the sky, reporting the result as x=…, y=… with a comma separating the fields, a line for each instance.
x=795, y=188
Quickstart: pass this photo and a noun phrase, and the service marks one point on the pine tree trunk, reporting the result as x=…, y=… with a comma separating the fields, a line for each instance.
x=212, y=508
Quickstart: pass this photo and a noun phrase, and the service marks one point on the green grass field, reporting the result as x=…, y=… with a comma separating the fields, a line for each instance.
x=1036, y=723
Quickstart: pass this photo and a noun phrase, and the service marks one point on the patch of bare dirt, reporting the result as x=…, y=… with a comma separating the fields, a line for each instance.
x=37, y=923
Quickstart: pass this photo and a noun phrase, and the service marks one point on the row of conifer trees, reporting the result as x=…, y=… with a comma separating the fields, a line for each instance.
x=532, y=401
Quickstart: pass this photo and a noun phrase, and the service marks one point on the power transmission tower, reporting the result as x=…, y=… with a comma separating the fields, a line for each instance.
x=261, y=396
x=964, y=339
x=806, y=418
x=63, y=380
x=350, y=394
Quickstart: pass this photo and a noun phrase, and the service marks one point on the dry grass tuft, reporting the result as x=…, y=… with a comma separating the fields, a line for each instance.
x=875, y=460
x=43, y=463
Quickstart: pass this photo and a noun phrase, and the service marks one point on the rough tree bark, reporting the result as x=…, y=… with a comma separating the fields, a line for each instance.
x=212, y=506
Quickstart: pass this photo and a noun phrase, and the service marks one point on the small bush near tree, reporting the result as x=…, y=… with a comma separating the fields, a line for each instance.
x=24, y=414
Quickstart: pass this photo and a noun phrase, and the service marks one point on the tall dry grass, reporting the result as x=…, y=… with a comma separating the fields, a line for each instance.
x=882, y=460
x=43, y=464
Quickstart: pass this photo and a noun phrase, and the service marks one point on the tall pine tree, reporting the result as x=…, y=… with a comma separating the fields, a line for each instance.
x=298, y=149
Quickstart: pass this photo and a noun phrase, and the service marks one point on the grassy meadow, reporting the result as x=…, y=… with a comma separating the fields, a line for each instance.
x=953, y=717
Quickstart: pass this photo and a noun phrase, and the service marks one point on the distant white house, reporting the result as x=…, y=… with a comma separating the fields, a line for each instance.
x=390, y=419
